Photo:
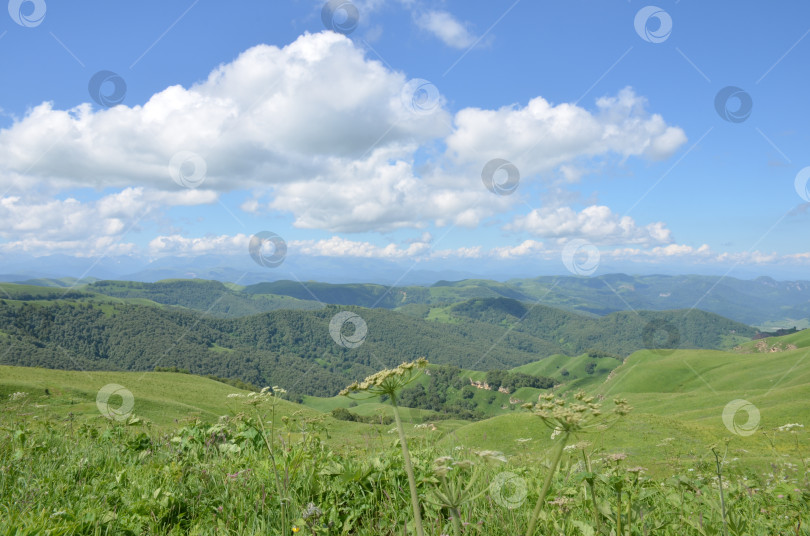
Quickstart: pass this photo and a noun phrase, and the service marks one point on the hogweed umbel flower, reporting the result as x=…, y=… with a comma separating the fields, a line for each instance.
x=390, y=382
x=566, y=418
x=570, y=417
x=387, y=382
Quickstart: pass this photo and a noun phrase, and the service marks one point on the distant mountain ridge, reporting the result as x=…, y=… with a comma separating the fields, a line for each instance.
x=761, y=301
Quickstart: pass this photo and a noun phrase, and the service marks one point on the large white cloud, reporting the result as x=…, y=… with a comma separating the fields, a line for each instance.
x=382, y=193
x=272, y=116
x=540, y=136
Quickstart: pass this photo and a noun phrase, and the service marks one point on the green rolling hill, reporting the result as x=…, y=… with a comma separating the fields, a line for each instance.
x=678, y=399
x=79, y=329
x=762, y=302
x=164, y=399
x=211, y=297
x=573, y=373
x=682, y=395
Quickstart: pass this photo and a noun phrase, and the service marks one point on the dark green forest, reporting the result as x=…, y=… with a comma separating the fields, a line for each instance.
x=294, y=349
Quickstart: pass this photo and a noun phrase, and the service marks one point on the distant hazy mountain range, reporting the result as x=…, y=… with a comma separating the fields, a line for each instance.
x=241, y=269
x=762, y=302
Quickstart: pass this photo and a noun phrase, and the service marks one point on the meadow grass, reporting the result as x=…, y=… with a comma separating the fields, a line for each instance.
x=60, y=476
x=192, y=460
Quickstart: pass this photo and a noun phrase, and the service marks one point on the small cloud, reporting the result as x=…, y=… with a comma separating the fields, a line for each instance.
x=447, y=28
x=528, y=247
x=183, y=246
x=250, y=205
x=596, y=223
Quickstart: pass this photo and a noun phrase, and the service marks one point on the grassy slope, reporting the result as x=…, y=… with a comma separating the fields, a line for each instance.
x=161, y=397
x=680, y=395
x=577, y=378
x=799, y=339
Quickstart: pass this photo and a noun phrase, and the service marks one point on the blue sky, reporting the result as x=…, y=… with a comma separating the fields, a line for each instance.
x=371, y=143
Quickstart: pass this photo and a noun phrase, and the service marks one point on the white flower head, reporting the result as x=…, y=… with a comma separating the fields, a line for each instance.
x=790, y=427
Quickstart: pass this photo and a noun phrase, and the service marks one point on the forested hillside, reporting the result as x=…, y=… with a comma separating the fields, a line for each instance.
x=291, y=348
x=295, y=348
x=619, y=333
x=212, y=297
x=762, y=301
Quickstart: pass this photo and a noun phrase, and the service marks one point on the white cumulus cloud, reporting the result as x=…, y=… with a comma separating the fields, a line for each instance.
x=269, y=117
x=25, y=221
x=318, y=130
x=596, y=223
x=540, y=137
